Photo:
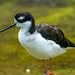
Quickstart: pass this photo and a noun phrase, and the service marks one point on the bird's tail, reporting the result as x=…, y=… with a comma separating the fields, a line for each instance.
x=70, y=44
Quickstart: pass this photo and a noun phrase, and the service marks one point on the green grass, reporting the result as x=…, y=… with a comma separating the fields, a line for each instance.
x=14, y=60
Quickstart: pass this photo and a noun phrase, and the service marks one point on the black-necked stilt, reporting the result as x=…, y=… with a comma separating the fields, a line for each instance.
x=43, y=41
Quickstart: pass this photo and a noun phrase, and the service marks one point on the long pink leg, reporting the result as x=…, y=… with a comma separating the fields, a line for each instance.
x=45, y=71
x=51, y=73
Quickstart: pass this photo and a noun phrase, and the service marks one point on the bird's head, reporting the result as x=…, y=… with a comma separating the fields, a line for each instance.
x=22, y=20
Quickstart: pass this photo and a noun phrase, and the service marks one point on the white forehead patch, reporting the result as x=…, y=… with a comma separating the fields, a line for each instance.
x=21, y=18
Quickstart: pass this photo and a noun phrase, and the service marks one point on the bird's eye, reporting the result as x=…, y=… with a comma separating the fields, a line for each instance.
x=21, y=21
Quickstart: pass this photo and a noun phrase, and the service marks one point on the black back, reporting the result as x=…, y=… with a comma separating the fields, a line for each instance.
x=49, y=32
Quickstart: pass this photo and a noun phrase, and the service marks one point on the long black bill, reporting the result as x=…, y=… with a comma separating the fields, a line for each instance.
x=8, y=27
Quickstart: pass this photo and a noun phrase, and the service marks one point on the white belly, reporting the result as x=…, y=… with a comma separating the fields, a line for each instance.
x=39, y=47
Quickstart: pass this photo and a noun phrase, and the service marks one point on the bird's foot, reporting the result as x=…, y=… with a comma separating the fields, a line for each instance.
x=45, y=73
x=51, y=73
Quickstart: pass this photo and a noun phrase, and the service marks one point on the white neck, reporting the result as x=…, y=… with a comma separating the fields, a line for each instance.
x=24, y=30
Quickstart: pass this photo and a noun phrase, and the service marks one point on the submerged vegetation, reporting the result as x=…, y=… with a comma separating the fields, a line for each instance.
x=14, y=60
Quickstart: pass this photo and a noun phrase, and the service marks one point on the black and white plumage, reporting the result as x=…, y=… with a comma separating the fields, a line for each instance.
x=42, y=41
x=47, y=31
x=50, y=32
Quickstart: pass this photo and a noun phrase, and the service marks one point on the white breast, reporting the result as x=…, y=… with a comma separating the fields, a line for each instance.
x=38, y=47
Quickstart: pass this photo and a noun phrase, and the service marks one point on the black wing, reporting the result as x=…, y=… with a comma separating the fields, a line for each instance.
x=50, y=32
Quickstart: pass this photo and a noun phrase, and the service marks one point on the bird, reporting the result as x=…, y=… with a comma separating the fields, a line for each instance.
x=42, y=41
